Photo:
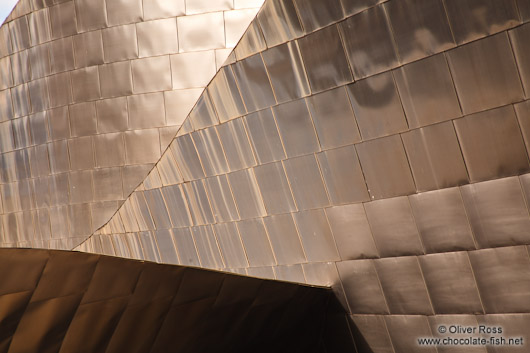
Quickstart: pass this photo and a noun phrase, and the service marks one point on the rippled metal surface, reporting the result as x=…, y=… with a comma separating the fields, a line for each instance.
x=380, y=147
x=91, y=94
x=59, y=301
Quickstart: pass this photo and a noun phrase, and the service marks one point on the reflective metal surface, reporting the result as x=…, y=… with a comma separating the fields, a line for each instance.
x=379, y=147
x=99, y=89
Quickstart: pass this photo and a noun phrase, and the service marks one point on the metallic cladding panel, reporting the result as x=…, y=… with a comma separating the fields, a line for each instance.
x=110, y=82
x=357, y=144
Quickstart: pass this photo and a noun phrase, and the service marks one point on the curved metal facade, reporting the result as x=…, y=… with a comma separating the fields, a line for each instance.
x=91, y=94
x=376, y=146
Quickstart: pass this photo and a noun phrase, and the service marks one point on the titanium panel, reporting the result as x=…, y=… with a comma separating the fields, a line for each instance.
x=503, y=278
x=296, y=128
x=435, y=157
x=85, y=84
x=183, y=69
x=274, y=188
x=186, y=247
x=403, y=285
x=427, y=91
x=485, y=74
x=246, y=193
x=284, y=239
x=254, y=83
x=207, y=247
x=279, y=22
x=385, y=167
x=225, y=95
x=333, y=118
x=223, y=204
x=451, y=283
x=306, y=182
x=374, y=51
x=522, y=54
x=474, y=19
x=316, y=236
x=230, y=244
x=393, y=227
x=420, y=28
x=377, y=106
x=442, y=221
x=256, y=243
x=492, y=144
x=362, y=287
x=497, y=212
x=165, y=32
x=236, y=145
x=264, y=136
x=151, y=74
x=316, y=14
x=343, y=175
x=286, y=70
x=351, y=231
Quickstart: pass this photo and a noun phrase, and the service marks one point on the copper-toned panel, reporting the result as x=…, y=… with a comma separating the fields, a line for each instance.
x=327, y=67
x=503, y=278
x=441, y=220
x=274, y=188
x=451, y=283
x=522, y=54
x=306, y=182
x=362, y=287
x=492, y=144
x=231, y=246
x=201, y=32
x=393, y=227
x=165, y=32
x=374, y=51
x=370, y=332
x=403, y=285
x=286, y=70
x=342, y=175
x=254, y=83
x=246, y=193
x=116, y=79
x=351, y=231
x=420, y=28
x=221, y=198
x=485, y=74
x=497, y=212
x=474, y=19
x=120, y=43
x=236, y=144
x=264, y=136
x=279, y=22
x=123, y=11
x=377, y=106
x=296, y=128
x=316, y=236
x=256, y=242
x=402, y=327
x=207, y=247
x=284, y=239
x=427, y=91
x=385, y=167
x=435, y=157
x=333, y=118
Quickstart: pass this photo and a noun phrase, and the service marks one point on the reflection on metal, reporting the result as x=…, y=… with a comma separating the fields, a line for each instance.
x=91, y=94
x=380, y=147
x=61, y=301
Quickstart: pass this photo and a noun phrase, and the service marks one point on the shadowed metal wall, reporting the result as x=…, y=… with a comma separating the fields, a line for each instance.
x=91, y=93
x=376, y=146
x=56, y=301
